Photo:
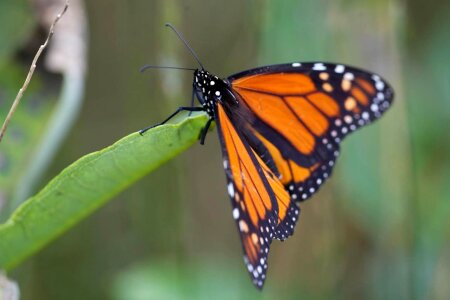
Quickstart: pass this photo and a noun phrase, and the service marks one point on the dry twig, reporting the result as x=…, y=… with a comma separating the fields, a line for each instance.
x=30, y=73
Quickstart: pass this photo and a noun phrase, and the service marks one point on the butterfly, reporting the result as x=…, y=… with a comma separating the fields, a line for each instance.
x=280, y=128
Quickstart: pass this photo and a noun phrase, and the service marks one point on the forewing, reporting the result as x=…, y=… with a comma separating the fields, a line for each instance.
x=259, y=200
x=301, y=114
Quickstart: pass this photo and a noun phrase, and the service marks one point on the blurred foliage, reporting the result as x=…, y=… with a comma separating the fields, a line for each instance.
x=87, y=184
x=16, y=21
x=428, y=92
x=25, y=131
x=378, y=229
x=198, y=280
x=19, y=144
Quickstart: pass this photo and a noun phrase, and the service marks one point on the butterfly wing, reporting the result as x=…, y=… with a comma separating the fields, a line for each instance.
x=280, y=128
x=302, y=113
x=260, y=201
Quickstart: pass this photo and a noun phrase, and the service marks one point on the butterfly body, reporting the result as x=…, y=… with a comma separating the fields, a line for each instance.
x=280, y=128
x=208, y=89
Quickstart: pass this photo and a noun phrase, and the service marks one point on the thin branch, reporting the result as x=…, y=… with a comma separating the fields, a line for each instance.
x=30, y=73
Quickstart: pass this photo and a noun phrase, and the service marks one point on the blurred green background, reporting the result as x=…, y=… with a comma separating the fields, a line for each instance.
x=379, y=229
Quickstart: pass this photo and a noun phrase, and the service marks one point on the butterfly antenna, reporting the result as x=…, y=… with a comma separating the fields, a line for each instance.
x=146, y=67
x=185, y=43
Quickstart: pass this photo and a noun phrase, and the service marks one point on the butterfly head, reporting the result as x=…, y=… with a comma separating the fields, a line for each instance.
x=209, y=89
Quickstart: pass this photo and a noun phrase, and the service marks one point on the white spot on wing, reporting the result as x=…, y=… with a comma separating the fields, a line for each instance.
x=296, y=64
x=250, y=268
x=379, y=85
x=231, y=190
x=235, y=213
x=374, y=107
x=349, y=76
x=319, y=67
x=376, y=77
x=339, y=69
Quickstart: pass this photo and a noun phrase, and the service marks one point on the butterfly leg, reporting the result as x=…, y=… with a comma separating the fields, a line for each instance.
x=204, y=132
x=192, y=101
x=180, y=109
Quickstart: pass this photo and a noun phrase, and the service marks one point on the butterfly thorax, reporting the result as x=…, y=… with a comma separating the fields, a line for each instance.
x=209, y=89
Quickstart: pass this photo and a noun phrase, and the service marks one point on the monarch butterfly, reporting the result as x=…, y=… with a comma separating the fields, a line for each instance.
x=280, y=128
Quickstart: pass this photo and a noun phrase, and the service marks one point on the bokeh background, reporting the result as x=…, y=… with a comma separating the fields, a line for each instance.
x=379, y=229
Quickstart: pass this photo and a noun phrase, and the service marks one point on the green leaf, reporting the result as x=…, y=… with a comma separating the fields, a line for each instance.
x=88, y=184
